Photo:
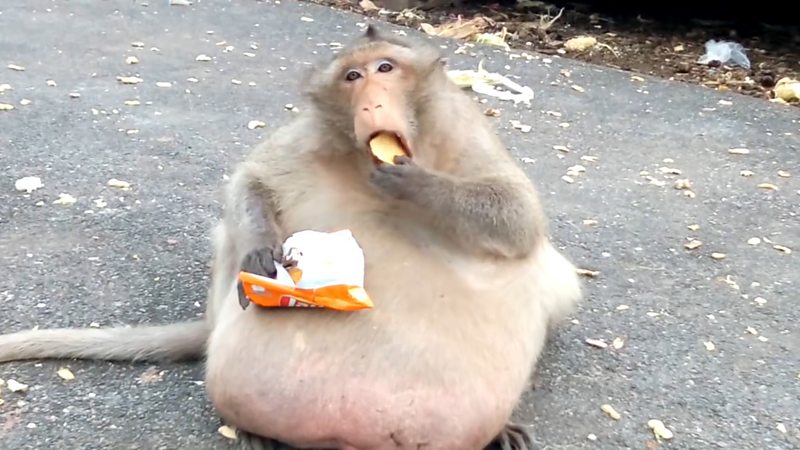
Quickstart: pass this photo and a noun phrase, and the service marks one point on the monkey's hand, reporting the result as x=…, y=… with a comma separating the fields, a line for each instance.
x=404, y=180
x=260, y=261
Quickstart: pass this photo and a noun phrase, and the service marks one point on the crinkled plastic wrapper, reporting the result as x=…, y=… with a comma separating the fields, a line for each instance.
x=326, y=270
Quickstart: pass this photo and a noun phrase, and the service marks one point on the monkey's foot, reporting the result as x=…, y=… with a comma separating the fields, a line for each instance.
x=513, y=437
x=249, y=441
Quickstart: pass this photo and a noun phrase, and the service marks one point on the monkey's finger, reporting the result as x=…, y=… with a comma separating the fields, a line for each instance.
x=402, y=160
x=260, y=262
x=277, y=253
x=244, y=302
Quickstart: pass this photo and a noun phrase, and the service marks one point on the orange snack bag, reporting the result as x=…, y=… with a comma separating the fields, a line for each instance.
x=328, y=273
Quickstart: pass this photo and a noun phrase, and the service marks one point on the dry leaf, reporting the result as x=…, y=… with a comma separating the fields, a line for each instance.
x=752, y=331
x=693, y=244
x=74, y=95
x=64, y=199
x=746, y=173
x=5, y=87
x=236, y=82
x=678, y=48
x=520, y=126
x=787, y=90
x=253, y=124
x=588, y=273
x=228, y=432
x=66, y=374
x=574, y=171
x=768, y=186
x=659, y=429
x=590, y=222
x=6, y=107
x=637, y=78
x=709, y=346
x=718, y=256
x=580, y=43
x=129, y=80
x=457, y=29
x=782, y=248
x=24, y=102
x=15, y=386
x=131, y=60
x=693, y=227
x=781, y=427
x=599, y=343
x=163, y=84
x=561, y=148
x=589, y=158
x=739, y=151
x=754, y=241
x=669, y=171
x=306, y=19
x=137, y=44
x=132, y=131
x=28, y=184
x=578, y=88
x=491, y=112
x=568, y=179
x=623, y=308
x=202, y=57
x=16, y=67
x=682, y=183
x=608, y=409
x=151, y=375
x=784, y=174
x=115, y=183
x=760, y=301
x=180, y=2
x=618, y=343
x=367, y=5
x=132, y=102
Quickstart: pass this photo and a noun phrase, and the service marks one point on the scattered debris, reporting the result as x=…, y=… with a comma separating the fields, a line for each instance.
x=718, y=256
x=129, y=80
x=786, y=90
x=739, y=151
x=458, y=29
x=482, y=81
x=754, y=241
x=253, y=124
x=693, y=244
x=15, y=386
x=608, y=409
x=723, y=52
x=16, y=67
x=618, y=343
x=709, y=346
x=65, y=199
x=119, y=184
x=6, y=107
x=163, y=84
x=768, y=186
x=228, y=432
x=588, y=273
x=131, y=60
x=520, y=126
x=180, y=2
x=580, y=43
x=782, y=248
x=781, y=427
x=28, y=184
x=599, y=343
x=65, y=374
x=659, y=429
x=202, y=57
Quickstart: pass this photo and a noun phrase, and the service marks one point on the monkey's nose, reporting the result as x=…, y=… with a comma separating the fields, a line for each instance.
x=370, y=108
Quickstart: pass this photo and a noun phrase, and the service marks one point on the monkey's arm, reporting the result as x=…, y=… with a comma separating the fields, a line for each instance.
x=492, y=214
x=251, y=224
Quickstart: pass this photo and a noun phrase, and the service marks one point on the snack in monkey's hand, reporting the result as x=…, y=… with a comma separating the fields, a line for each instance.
x=321, y=270
x=385, y=146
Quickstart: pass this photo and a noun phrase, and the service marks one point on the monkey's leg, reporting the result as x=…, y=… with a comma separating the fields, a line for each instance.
x=249, y=441
x=513, y=437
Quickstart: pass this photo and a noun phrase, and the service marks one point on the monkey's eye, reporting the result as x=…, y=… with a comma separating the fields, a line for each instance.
x=385, y=67
x=352, y=75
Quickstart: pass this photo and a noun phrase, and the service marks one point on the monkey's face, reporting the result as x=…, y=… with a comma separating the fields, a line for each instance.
x=376, y=86
x=378, y=90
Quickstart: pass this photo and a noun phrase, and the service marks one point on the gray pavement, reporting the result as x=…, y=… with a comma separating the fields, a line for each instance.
x=141, y=257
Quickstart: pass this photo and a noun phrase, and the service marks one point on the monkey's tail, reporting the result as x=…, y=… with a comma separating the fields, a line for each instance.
x=178, y=341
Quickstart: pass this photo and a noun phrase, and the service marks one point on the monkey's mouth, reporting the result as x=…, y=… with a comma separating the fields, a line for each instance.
x=385, y=144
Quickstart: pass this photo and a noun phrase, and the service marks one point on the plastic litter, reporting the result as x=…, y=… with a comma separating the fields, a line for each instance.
x=724, y=52
x=483, y=82
x=326, y=271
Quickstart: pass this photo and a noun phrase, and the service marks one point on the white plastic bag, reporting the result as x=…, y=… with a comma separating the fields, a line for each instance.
x=723, y=52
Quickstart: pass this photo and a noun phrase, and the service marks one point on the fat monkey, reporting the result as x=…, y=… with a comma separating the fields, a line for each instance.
x=465, y=282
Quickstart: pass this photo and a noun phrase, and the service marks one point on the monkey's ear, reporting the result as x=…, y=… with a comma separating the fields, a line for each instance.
x=372, y=33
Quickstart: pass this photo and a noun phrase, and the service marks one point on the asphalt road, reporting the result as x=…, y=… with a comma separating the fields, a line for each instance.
x=140, y=255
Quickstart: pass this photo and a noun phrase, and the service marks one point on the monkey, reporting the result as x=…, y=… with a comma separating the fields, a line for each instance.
x=465, y=280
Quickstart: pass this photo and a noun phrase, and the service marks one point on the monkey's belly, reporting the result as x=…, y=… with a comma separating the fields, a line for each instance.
x=373, y=380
